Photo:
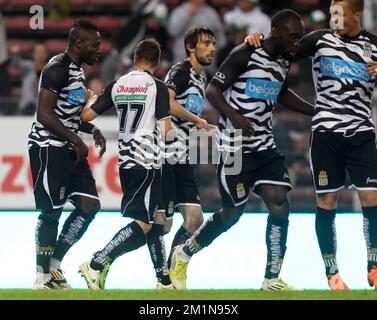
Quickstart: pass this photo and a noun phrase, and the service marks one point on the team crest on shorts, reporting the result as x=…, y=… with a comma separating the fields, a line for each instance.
x=323, y=179
x=171, y=207
x=240, y=190
x=62, y=192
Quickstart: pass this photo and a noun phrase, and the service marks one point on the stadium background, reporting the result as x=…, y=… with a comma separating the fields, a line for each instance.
x=122, y=23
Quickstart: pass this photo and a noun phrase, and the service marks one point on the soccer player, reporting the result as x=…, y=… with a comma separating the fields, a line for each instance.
x=255, y=79
x=142, y=104
x=343, y=132
x=58, y=155
x=186, y=85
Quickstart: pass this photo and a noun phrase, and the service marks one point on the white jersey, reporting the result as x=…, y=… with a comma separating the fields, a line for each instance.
x=140, y=100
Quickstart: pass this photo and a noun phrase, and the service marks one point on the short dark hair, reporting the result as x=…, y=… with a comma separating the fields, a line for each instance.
x=192, y=36
x=282, y=17
x=79, y=25
x=355, y=5
x=148, y=51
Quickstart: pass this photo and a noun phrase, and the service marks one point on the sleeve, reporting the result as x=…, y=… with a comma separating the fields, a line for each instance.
x=234, y=65
x=54, y=77
x=178, y=80
x=105, y=101
x=162, y=101
x=308, y=44
x=284, y=88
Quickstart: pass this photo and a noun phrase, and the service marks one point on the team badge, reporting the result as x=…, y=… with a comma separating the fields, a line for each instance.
x=323, y=179
x=367, y=47
x=240, y=190
x=171, y=207
x=62, y=192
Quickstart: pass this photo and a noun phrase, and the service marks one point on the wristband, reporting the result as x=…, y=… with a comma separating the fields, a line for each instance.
x=94, y=129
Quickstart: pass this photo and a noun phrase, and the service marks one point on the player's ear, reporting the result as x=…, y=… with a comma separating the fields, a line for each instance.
x=189, y=48
x=275, y=33
x=79, y=43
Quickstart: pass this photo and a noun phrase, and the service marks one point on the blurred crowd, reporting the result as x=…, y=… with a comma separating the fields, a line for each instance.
x=24, y=52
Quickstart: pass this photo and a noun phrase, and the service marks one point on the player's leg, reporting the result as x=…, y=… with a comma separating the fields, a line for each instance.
x=155, y=237
x=271, y=181
x=129, y=238
x=234, y=190
x=50, y=180
x=188, y=203
x=276, y=200
x=136, y=186
x=45, y=240
x=328, y=170
x=362, y=168
x=82, y=193
x=157, y=250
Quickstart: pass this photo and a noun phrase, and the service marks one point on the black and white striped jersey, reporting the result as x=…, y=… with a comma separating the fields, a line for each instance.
x=140, y=100
x=63, y=77
x=343, y=87
x=253, y=81
x=189, y=88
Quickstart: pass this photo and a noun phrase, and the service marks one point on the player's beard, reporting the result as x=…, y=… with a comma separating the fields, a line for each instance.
x=203, y=61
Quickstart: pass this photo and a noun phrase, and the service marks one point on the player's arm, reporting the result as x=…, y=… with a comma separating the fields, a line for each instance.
x=177, y=83
x=162, y=112
x=181, y=113
x=54, y=78
x=292, y=101
x=99, y=139
x=234, y=65
x=103, y=103
x=307, y=43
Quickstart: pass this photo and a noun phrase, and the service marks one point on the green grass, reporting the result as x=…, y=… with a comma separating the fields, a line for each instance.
x=20, y=294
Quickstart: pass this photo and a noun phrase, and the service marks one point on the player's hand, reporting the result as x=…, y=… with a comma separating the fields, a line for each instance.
x=243, y=123
x=212, y=127
x=100, y=142
x=81, y=150
x=90, y=98
x=201, y=124
x=372, y=68
x=254, y=39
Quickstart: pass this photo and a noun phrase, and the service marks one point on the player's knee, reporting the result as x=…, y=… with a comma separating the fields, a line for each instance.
x=194, y=221
x=51, y=217
x=279, y=208
x=230, y=216
x=167, y=226
x=90, y=208
x=327, y=200
x=368, y=199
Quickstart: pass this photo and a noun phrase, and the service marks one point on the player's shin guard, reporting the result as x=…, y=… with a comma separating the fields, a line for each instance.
x=156, y=246
x=203, y=237
x=370, y=234
x=45, y=240
x=127, y=239
x=326, y=235
x=74, y=228
x=276, y=240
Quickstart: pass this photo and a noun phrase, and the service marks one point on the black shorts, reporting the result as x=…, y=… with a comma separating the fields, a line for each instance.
x=264, y=167
x=331, y=154
x=179, y=188
x=57, y=178
x=141, y=193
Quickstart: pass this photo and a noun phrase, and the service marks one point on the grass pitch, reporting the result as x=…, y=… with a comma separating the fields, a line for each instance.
x=20, y=294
